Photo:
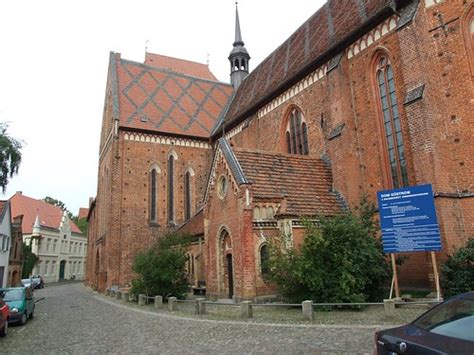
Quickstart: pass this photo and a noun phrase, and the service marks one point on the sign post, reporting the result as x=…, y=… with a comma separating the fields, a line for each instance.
x=436, y=275
x=395, y=277
x=409, y=224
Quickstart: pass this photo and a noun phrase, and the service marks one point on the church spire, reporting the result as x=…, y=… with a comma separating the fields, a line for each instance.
x=239, y=57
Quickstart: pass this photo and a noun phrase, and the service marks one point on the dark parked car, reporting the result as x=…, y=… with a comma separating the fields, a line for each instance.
x=447, y=328
x=38, y=281
x=4, y=314
x=21, y=303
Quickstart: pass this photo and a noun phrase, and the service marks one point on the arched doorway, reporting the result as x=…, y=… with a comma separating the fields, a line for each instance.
x=62, y=269
x=97, y=268
x=226, y=265
x=230, y=275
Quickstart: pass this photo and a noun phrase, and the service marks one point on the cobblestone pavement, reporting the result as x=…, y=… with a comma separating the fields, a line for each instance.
x=73, y=319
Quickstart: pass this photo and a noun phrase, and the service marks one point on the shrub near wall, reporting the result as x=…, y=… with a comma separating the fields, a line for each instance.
x=161, y=269
x=458, y=271
x=341, y=260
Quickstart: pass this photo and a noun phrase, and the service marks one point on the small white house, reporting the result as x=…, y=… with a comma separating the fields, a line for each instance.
x=5, y=241
x=54, y=238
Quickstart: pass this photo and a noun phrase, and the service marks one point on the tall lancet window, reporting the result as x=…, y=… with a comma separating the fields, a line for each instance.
x=296, y=134
x=171, y=189
x=153, y=195
x=390, y=118
x=187, y=195
x=468, y=29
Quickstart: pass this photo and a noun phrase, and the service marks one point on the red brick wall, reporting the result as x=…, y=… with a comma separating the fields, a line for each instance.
x=137, y=158
x=437, y=129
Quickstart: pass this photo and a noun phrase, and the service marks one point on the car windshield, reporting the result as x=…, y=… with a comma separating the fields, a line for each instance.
x=12, y=295
x=455, y=319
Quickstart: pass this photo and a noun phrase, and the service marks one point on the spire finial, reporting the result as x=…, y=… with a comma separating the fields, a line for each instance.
x=239, y=57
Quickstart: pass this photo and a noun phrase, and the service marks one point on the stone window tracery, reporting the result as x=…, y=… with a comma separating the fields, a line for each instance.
x=296, y=134
x=390, y=121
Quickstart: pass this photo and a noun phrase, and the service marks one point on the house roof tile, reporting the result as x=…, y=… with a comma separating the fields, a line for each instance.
x=172, y=96
x=83, y=212
x=304, y=182
x=320, y=38
x=49, y=216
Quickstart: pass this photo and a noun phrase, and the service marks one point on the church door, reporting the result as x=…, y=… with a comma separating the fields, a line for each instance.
x=230, y=275
x=62, y=267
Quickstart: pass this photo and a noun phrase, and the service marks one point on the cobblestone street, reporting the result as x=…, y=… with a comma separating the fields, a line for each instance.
x=73, y=319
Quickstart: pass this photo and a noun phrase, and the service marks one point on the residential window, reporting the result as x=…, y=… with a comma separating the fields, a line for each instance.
x=171, y=189
x=153, y=195
x=296, y=134
x=391, y=123
x=187, y=195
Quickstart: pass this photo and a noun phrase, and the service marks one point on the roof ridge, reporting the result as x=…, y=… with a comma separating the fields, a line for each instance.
x=167, y=70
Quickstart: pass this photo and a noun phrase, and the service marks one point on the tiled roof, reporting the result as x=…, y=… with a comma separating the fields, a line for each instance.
x=304, y=182
x=320, y=38
x=49, y=216
x=182, y=66
x=195, y=225
x=83, y=212
x=166, y=101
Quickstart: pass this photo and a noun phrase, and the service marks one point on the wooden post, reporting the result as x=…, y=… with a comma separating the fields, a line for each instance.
x=395, y=277
x=436, y=275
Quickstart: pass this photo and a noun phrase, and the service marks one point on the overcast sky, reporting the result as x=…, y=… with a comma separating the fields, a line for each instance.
x=53, y=68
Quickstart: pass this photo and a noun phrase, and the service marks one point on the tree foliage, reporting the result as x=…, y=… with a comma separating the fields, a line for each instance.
x=30, y=260
x=161, y=269
x=341, y=260
x=10, y=156
x=60, y=204
x=82, y=224
x=458, y=271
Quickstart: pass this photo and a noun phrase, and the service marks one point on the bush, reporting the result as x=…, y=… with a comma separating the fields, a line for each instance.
x=457, y=273
x=341, y=260
x=161, y=269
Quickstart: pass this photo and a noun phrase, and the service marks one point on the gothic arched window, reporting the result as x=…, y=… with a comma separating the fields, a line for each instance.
x=171, y=188
x=468, y=29
x=187, y=195
x=296, y=134
x=390, y=117
x=153, y=195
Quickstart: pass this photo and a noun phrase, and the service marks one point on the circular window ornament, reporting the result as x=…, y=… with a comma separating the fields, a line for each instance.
x=222, y=186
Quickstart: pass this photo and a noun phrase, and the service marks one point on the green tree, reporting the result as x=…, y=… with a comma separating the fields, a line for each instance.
x=341, y=260
x=82, y=224
x=457, y=273
x=161, y=269
x=30, y=260
x=10, y=156
x=60, y=204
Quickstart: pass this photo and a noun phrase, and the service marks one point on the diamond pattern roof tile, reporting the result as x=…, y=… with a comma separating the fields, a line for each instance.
x=173, y=99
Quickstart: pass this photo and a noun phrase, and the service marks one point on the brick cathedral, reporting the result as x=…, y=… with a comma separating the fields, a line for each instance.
x=366, y=95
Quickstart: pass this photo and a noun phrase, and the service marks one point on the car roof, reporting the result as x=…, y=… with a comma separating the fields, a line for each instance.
x=12, y=288
x=466, y=295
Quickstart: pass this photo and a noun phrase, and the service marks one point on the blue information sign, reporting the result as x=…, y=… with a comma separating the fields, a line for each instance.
x=408, y=220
